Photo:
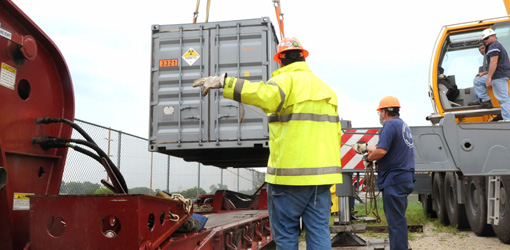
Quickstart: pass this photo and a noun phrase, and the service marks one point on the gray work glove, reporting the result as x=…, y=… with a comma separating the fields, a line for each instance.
x=210, y=82
x=366, y=161
x=360, y=147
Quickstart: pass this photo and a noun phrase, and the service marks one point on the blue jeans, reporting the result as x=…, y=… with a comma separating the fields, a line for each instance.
x=287, y=204
x=480, y=89
x=395, y=205
x=500, y=90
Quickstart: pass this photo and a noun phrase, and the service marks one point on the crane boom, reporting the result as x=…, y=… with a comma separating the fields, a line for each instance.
x=507, y=6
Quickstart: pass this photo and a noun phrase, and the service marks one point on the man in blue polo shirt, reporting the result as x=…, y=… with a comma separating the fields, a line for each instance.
x=395, y=161
x=497, y=75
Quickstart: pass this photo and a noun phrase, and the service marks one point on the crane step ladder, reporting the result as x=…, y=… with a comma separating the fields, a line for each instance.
x=494, y=187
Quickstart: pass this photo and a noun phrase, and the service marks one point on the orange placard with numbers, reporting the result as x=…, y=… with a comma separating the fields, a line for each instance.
x=168, y=63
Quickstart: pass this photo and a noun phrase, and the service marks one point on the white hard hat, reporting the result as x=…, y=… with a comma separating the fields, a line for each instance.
x=488, y=32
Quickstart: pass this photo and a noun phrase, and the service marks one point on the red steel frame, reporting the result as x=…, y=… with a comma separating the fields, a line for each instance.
x=103, y=221
x=250, y=233
x=42, y=87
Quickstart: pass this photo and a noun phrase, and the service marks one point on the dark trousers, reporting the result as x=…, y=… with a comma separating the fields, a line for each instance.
x=395, y=205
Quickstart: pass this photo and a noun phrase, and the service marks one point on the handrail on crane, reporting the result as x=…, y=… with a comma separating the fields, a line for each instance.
x=279, y=17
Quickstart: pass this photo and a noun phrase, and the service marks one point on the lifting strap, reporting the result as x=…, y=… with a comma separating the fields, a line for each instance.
x=195, y=14
x=279, y=17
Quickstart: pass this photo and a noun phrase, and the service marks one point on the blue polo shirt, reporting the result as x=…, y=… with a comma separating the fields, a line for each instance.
x=397, y=166
x=503, y=67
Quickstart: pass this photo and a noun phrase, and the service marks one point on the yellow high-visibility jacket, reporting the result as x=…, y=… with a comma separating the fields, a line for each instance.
x=304, y=128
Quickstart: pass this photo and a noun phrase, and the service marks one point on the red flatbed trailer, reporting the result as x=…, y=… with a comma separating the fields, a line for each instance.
x=36, y=123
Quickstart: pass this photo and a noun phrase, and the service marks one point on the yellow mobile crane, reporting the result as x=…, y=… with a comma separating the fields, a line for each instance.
x=462, y=160
x=455, y=62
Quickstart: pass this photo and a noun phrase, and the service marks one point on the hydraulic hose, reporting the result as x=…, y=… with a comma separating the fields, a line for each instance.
x=91, y=143
x=85, y=152
x=48, y=120
x=53, y=142
x=102, y=154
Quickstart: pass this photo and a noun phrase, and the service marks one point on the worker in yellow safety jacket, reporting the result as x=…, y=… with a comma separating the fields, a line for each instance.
x=304, y=143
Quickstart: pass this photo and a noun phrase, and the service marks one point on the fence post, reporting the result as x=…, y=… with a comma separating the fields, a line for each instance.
x=119, y=145
x=168, y=175
x=198, y=186
x=150, y=188
x=109, y=141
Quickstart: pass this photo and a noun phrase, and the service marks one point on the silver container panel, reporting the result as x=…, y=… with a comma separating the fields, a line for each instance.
x=209, y=129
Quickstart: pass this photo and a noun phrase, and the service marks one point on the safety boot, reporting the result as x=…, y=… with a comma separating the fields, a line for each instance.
x=486, y=104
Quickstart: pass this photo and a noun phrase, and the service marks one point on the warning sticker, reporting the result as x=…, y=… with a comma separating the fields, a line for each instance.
x=21, y=201
x=168, y=63
x=5, y=34
x=7, y=76
x=191, y=56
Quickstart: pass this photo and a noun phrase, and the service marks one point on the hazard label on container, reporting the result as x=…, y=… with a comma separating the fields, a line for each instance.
x=21, y=201
x=8, y=76
x=168, y=63
x=191, y=56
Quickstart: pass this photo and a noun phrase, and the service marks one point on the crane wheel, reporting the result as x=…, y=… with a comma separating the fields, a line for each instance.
x=476, y=205
x=426, y=204
x=502, y=230
x=438, y=198
x=456, y=212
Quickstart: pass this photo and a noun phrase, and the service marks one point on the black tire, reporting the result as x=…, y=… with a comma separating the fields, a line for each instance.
x=438, y=201
x=456, y=212
x=476, y=205
x=426, y=204
x=503, y=229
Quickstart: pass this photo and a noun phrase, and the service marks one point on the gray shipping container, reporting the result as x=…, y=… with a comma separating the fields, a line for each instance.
x=211, y=130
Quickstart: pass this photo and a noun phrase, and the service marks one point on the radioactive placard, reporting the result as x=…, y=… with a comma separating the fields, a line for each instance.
x=191, y=56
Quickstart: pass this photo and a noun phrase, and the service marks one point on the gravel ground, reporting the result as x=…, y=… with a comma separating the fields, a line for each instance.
x=432, y=238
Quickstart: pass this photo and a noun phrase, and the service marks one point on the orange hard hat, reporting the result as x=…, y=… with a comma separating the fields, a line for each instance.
x=388, y=102
x=289, y=43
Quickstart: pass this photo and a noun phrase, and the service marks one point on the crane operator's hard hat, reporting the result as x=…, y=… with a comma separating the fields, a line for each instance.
x=289, y=43
x=487, y=32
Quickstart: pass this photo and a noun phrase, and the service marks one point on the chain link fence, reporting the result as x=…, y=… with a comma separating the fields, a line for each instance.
x=147, y=172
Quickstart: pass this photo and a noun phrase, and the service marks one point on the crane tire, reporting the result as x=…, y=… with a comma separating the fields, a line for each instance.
x=502, y=230
x=438, y=198
x=476, y=205
x=426, y=204
x=456, y=212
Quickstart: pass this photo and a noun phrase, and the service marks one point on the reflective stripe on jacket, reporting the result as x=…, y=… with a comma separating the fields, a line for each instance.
x=304, y=127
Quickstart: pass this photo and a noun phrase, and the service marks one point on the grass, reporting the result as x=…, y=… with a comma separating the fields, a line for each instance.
x=414, y=212
x=414, y=215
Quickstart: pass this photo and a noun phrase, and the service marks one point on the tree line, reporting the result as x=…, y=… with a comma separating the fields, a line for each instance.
x=86, y=187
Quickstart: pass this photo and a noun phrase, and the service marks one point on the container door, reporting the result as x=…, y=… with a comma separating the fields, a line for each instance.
x=179, y=112
x=241, y=50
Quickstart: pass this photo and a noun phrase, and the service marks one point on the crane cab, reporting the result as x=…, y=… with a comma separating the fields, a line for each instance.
x=455, y=62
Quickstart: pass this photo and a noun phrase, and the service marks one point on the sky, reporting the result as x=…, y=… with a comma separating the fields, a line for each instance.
x=364, y=50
